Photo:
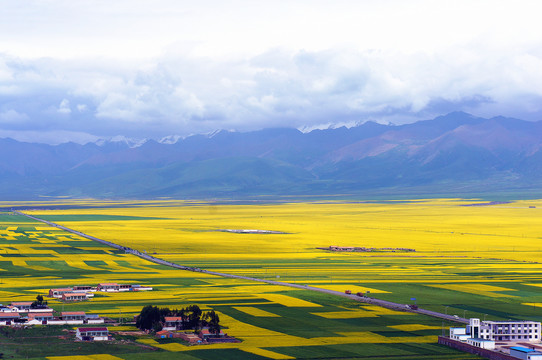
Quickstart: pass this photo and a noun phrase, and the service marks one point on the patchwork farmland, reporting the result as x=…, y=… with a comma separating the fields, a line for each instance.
x=473, y=261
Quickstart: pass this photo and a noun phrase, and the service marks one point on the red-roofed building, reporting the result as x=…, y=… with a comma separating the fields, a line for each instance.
x=173, y=323
x=205, y=334
x=190, y=338
x=74, y=296
x=7, y=318
x=83, y=288
x=108, y=287
x=21, y=305
x=41, y=316
x=92, y=334
x=164, y=334
x=73, y=315
x=57, y=293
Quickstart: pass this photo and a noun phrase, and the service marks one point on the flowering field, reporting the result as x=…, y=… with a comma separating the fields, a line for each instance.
x=469, y=260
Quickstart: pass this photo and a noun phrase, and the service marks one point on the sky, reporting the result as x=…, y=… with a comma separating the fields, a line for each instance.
x=79, y=70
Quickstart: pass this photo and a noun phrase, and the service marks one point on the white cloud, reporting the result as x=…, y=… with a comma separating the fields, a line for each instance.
x=12, y=116
x=184, y=67
x=135, y=29
x=81, y=107
x=64, y=107
x=49, y=137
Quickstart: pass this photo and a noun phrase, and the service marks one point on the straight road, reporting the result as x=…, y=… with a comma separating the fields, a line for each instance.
x=364, y=299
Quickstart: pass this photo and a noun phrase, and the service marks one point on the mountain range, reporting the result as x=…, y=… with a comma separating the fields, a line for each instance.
x=456, y=154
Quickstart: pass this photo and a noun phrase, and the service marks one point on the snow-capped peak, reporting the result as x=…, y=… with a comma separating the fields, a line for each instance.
x=131, y=142
x=170, y=139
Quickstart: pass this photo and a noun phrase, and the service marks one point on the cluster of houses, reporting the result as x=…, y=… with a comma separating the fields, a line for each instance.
x=20, y=313
x=365, y=249
x=203, y=336
x=488, y=334
x=85, y=292
x=172, y=329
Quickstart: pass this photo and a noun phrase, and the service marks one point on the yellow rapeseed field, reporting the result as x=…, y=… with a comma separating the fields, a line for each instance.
x=454, y=241
x=446, y=226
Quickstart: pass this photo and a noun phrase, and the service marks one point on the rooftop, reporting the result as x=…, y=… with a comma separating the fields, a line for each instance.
x=522, y=349
x=483, y=340
x=173, y=318
x=512, y=322
x=92, y=329
x=64, y=313
x=207, y=332
x=9, y=314
x=41, y=314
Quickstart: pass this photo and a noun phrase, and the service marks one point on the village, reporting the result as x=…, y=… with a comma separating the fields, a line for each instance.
x=364, y=249
x=28, y=313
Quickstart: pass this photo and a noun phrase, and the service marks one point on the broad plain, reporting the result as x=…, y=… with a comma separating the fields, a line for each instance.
x=471, y=258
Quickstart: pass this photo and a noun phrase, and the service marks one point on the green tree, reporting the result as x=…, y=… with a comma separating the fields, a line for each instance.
x=165, y=312
x=39, y=303
x=149, y=316
x=194, y=317
x=184, y=318
x=213, y=322
x=157, y=326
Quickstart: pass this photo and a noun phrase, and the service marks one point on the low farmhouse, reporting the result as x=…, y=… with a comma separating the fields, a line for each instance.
x=94, y=319
x=83, y=288
x=92, y=334
x=137, y=287
x=74, y=297
x=108, y=287
x=8, y=318
x=21, y=305
x=89, y=290
x=57, y=293
x=114, y=287
x=164, y=334
x=205, y=334
x=172, y=323
x=24, y=307
x=191, y=338
x=8, y=309
x=524, y=353
x=73, y=315
x=39, y=318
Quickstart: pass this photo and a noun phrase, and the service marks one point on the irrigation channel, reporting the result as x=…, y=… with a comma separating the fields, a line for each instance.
x=364, y=299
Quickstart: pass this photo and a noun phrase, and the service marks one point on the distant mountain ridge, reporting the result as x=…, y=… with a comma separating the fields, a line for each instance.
x=452, y=153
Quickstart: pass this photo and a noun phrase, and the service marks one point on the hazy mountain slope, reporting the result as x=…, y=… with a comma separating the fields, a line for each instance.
x=455, y=151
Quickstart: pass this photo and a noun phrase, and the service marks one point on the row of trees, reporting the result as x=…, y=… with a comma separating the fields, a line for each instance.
x=192, y=318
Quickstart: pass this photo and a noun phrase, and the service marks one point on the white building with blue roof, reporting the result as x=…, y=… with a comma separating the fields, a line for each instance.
x=525, y=353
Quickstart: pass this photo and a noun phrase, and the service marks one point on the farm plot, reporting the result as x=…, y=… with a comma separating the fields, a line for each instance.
x=470, y=259
x=35, y=258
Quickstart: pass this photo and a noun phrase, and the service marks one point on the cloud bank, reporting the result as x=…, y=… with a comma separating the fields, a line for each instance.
x=400, y=70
